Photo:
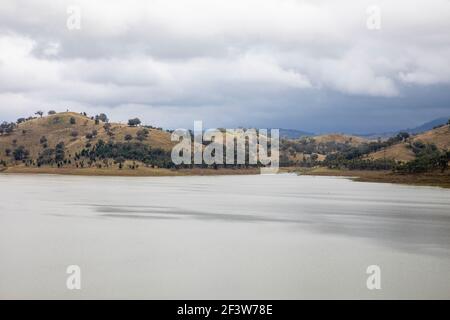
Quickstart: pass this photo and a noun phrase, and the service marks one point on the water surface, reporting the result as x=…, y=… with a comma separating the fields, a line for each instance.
x=249, y=237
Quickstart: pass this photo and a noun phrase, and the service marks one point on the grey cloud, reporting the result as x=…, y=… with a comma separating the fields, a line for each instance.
x=269, y=62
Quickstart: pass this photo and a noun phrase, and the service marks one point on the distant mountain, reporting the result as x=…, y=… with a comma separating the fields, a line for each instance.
x=427, y=126
x=293, y=134
x=416, y=130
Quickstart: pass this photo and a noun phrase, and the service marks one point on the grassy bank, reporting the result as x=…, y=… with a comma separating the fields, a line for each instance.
x=139, y=172
x=424, y=179
x=437, y=179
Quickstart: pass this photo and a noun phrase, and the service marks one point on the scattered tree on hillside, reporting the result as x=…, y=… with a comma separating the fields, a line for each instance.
x=107, y=126
x=46, y=157
x=51, y=112
x=7, y=128
x=39, y=113
x=20, y=120
x=73, y=120
x=141, y=135
x=403, y=135
x=102, y=117
x=128, y=137
x=59, y=152
x=20, y=153
x=134, y=122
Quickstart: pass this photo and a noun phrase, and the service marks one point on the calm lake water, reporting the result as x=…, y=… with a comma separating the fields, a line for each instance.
x=249, y=237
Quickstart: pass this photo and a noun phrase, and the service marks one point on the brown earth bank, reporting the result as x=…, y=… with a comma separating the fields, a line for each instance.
x=125, y=172
x=437, y=179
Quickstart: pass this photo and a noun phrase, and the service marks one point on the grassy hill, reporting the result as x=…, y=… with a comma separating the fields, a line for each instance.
x=341, y=138
x=403, y=151
x=76, y=131
x=439, y=136
x=397, y=152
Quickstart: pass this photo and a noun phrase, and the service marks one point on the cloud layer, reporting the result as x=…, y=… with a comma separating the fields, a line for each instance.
x=249, y=62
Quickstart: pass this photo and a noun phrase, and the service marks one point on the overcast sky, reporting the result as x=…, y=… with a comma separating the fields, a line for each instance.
x=310, y=65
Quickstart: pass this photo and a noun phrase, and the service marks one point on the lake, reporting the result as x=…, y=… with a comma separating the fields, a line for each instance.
x=221, y=237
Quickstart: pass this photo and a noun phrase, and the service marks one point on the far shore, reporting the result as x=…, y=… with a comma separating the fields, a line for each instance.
x=437, y=179
x=126, y=172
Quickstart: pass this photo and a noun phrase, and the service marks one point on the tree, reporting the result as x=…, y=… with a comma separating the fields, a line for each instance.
x=45, y=157
x=20, y=120
x=7, y=128
x=107, y=126
x=128, y=137
x=403, y=135
x=39, y=113
x=51, y=112
x=43, y=140
x=74, y=134
x=134, y=122
x=102, y=117
x=20, y=153
x=120, y=160
x=59, y=152
x=72, y=120
x=443, y=161
x=141, y=135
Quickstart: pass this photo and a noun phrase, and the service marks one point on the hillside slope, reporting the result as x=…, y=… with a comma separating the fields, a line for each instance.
x=402, y=151
x=340, y=138
x=74, y=131
x=439, y=136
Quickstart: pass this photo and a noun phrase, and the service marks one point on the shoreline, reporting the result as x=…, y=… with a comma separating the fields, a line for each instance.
x=139, y=172
x=433, y=179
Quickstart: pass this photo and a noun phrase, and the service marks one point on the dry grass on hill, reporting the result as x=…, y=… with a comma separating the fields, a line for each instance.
x=58, y=128
x=340, y=138
x=439, y=136
x=398, y=152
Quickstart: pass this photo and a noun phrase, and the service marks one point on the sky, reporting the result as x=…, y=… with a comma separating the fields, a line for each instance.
x=351, y=66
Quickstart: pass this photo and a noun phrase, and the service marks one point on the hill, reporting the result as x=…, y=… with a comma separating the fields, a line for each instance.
x=76, y=132
x=439, y=136
x=415, y=130
x=397, y=152
x=294, y=134
x=402, y=151
x=340, y=138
